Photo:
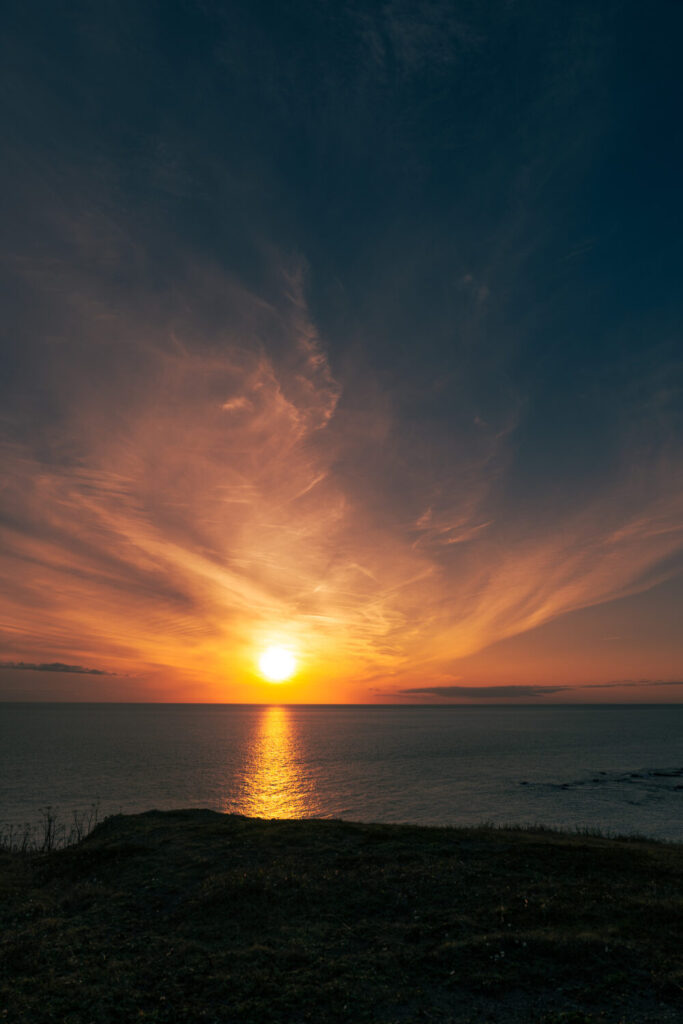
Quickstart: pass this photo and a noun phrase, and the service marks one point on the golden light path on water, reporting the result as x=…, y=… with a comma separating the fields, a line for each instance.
x=274, y=785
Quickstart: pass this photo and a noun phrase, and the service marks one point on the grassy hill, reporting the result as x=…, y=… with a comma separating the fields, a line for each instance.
x=192, y=916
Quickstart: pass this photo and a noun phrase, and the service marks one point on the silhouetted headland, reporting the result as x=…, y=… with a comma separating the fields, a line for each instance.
x=196, y=916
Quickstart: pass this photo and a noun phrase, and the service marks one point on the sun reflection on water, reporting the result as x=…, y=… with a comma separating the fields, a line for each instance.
x=274, y=785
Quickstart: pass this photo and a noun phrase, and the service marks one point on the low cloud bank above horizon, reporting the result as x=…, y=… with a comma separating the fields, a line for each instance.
x=531, y=690
x=511, y=690
x=633, y=682
x=54, y=666
x=250, y=398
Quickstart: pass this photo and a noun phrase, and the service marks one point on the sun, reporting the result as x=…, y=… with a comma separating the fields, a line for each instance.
x=277, y=664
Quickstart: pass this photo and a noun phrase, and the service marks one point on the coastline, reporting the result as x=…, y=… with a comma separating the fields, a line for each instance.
x=193, y=915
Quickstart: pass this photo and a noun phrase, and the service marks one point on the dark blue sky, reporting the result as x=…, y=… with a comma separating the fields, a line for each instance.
x=415, y=265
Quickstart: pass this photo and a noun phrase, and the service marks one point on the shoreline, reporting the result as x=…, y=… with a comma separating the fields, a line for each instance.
x=193, y=915
x=51, y=831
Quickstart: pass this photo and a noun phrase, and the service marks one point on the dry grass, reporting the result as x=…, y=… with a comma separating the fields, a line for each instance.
x=195, y=916
x=50, y=833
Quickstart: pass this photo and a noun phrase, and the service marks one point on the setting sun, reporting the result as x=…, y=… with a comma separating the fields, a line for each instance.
x=277, y=664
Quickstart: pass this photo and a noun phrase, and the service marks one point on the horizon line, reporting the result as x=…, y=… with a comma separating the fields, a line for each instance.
x=373, y=704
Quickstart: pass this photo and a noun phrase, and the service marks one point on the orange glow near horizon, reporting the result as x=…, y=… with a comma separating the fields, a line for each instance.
x=156, y=561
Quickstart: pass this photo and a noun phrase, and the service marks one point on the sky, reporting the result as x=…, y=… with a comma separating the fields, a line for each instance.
x=347, y=328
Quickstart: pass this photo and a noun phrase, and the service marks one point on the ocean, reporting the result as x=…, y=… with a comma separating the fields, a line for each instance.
x=614, y=768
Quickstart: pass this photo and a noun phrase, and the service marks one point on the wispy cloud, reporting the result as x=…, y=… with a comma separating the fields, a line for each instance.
x=416, y=36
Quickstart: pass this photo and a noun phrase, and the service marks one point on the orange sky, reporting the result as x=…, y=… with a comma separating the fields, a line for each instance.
x=225, y=502
x=354, y=329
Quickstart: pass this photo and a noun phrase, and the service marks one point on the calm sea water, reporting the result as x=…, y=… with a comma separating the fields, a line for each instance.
x=616, y=768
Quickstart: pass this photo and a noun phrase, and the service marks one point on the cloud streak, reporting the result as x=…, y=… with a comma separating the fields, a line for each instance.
x=54, y=666
x=485, y=692
x=629, y=683
x=502, y=690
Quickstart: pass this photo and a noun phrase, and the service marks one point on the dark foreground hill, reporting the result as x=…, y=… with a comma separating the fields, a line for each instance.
x=192, y=916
